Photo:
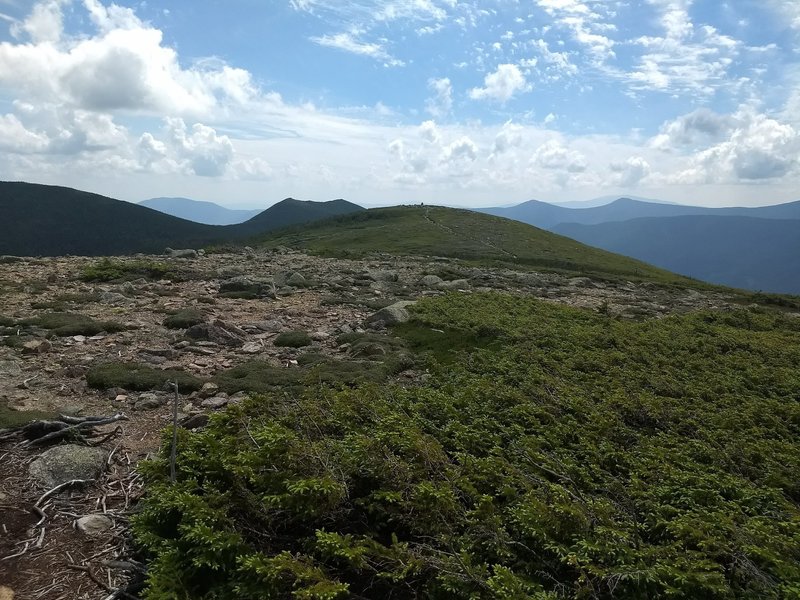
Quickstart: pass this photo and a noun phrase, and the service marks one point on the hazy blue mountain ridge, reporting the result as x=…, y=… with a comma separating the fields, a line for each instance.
x=739, y=251
x=199, y=211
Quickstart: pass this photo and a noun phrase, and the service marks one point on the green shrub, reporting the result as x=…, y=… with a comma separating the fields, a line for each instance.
x=115, y=270
x=138, y=377
x=293, y=339
x=6, y=321
x=67, y=324
x=184, y=319
x=576, y=456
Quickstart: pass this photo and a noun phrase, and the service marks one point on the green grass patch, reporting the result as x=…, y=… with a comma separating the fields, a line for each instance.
x=108, y=269
x=293, y=339
x=139, y=377
x=6, y=321
x=183, y=319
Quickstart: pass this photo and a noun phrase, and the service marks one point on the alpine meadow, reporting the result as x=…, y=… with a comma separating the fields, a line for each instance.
x=399, y=300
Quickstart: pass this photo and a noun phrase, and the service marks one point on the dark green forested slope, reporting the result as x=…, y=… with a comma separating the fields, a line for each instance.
x=558, y=454
x=43, y=220
x=438, y=231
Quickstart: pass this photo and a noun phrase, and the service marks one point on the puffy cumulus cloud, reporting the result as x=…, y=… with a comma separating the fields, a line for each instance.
x=759, y=148
x=553, y=155
x=508, y=138
x=697, y=128
x=202, y=150
x=441, y=103
x=122, y=66
x=501, y=85
x=461, y=149
x=44, y=24
x=52, y=129
x=429, y=132
x=16, y=138
x=631, y=172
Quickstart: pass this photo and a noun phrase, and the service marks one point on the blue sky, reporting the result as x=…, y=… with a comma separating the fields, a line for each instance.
x=449, y=101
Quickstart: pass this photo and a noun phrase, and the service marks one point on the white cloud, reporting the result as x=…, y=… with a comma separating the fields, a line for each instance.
x=347, y=42
x=441, y=103
x=757, y=148
x=429, y=132
x=553, y=155
x=698, y=128
x=687, y=58
x=124, y=66
x=502, y=84
x=461, y=149
x=588, y=26
x=15, y=137
x=43, y=24
x=631, y=172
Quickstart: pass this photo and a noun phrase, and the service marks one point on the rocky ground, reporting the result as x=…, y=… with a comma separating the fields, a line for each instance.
x=49, y=549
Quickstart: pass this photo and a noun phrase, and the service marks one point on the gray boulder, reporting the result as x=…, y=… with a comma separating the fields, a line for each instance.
x=396, y=313
x=430, y=280
x=94, y=525
x=65, y=463
x=296, y=280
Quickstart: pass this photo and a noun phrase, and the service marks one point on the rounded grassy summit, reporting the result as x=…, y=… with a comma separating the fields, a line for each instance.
x=456, y=233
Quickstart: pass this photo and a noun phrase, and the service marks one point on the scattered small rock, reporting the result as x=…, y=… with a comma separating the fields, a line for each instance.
x=456, y=284
x=195, y=421
x=214, y=403
x=147, y=401
x=184, y=253
x=252, y=348
x=320, y=336
x=218, y=332
x=114, y=298
x=208, y=390
x=94, y=525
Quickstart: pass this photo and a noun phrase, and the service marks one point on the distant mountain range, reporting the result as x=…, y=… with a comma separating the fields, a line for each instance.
x=603, y=200
x=744, y=252
x=43, y=220
x=548, y=216
x=753, y=248
x=198, y=211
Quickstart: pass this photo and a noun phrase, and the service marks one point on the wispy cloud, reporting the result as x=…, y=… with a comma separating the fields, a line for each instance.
x=348, y=43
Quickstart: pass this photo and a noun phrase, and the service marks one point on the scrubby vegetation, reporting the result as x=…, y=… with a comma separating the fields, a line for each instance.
x=107, y=269
x=184, y=319
x=565, y=454
x=293, y=339
x=65, y=324
x=138, y=377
